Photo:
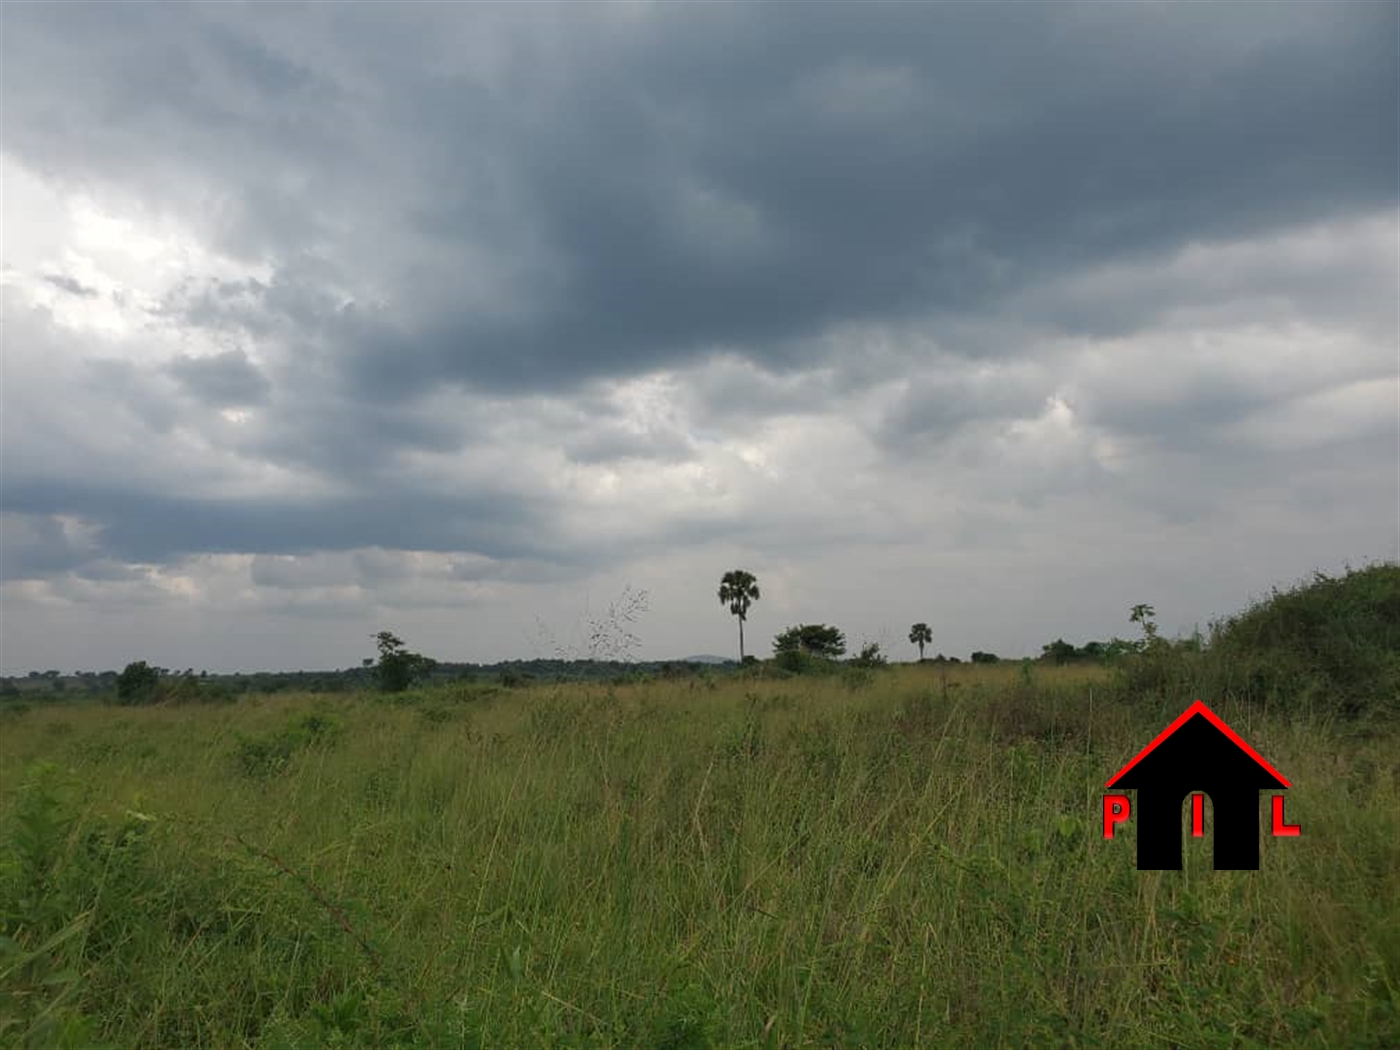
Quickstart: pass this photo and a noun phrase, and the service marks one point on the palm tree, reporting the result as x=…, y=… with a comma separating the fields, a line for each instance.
x=920, y=635
x=738, y=590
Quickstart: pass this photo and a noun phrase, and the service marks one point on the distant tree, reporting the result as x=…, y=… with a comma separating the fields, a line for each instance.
x=137, y=683
x=921, y=636
x=869, y=656
x=984, y=658
x=738, y=589
x=1145, y=616
x=816, y=639
x=1058, y=652
x=185, y=689
x=398, y=668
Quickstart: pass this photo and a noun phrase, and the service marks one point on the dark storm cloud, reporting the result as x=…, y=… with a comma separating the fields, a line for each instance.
x=1030, y=142
x=876, y=247
x=937, y=405
x=642, y=188
x=357, y=442
x=148, y=527
x=222, y=380
x=35, y=546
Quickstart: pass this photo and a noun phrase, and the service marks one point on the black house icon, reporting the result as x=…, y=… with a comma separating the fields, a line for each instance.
x=1198, y=752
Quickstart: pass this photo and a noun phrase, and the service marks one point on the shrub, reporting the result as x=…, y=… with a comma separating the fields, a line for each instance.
x=818, y=639
x=265, y=756
x=137, y=684
x=797, y=661
x=1332, y=643
x=398, y=668
x=869, y=656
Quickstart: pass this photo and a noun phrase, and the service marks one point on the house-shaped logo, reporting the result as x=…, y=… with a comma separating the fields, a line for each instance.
x=1197, y=753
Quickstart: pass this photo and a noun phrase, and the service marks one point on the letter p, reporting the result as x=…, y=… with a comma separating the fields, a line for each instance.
x=1115, y=811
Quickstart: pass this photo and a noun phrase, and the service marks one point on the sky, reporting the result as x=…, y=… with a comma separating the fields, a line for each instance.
x=468, y=321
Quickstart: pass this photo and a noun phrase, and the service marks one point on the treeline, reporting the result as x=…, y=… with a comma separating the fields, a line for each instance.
x=164, y=684
x=1329, y=644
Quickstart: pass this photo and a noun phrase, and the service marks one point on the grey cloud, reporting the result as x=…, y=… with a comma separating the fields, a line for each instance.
x=379, y=565
x=803, y=281
x=688, y=180
x=493, y=535
x=936, y=404
x=107, y=570
x=359, y=443
x=288, y=572
x=869, y=222
x=71, y=285
x=133, y=387
x=222, y=380
x=523, y=571
x=35, y=546
x=608, y=444
x=147, y=527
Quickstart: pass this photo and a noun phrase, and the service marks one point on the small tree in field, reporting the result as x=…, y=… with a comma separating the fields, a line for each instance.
x=398, y=668
x=1145, y=616
x=137, y=683
x=869, y=656
x=921, y=636
x=738, y=589
x=816, y=639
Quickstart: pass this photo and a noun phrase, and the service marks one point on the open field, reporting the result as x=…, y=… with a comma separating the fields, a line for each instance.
x=866, y=859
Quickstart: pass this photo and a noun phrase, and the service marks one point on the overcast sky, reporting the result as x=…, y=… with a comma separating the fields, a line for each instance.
x=459, y=319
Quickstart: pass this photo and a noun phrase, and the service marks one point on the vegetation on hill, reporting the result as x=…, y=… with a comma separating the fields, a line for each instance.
x=1329, y=644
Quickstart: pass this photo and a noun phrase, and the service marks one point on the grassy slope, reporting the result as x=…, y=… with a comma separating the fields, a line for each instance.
x=848, y=861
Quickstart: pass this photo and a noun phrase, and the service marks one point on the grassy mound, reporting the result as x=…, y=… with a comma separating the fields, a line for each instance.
x=1330, y=645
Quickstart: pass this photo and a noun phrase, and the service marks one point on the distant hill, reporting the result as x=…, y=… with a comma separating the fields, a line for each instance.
x=708, y=658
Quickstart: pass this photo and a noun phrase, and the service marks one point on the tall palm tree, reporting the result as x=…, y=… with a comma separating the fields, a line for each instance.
x=738, y=590
x=920, y=635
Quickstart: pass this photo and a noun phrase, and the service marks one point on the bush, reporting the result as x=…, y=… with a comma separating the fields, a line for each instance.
x=398, y=668
x=869, y=656
x=265, y=756
x=1328, y=646
x=1332, y=643
x=818, y=639
x=796, y=661
x=137, y=684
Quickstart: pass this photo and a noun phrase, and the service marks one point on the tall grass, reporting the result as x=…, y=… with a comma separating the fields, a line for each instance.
x=890, y=859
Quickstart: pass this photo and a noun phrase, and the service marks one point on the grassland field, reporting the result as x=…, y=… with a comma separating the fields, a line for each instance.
x=906, y=857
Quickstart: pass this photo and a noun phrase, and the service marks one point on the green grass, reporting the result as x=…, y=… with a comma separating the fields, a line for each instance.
x=879, y=859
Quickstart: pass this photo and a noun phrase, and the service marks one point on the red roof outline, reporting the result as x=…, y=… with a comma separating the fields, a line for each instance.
x=1199, y=708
